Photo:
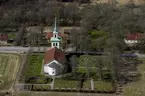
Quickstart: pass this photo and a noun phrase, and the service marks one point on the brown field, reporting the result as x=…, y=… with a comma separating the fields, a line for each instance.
x=9, y=65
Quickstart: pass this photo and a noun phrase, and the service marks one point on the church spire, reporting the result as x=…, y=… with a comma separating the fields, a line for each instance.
x=55, y=41
x=55, y=28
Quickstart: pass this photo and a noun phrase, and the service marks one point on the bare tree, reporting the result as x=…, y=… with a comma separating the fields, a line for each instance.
x=99, y=67
x=20, y=35
x=70, y=14
x=86, y=64
x=74, y=63
x=33, y=39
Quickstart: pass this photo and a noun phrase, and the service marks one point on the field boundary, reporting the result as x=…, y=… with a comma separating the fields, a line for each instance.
x=20, y=87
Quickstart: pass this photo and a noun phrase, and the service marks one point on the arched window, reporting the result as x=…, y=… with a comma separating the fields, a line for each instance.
x=52, y=72
x=53, y=44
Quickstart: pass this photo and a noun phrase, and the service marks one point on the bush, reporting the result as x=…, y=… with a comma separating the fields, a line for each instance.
x=38, y=80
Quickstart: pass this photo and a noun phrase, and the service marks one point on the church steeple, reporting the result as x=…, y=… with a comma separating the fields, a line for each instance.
x=55, y=28
x=55, y=33
x=55, y=42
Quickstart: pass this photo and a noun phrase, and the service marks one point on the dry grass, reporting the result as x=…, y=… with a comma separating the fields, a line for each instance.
x=9, y=68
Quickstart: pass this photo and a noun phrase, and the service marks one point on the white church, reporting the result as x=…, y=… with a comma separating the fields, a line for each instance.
x=54, y=59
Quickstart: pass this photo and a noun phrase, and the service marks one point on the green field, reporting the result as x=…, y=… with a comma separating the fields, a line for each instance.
x=103, y=86
x=34, y=66
x=9, y=64
x=66, y=83
x=136, y=88
x=91, y=62
x=11, y=35
x=41, y=87
x=87, y=84
x=98, y=85
x=63, y=83
x=84, y=70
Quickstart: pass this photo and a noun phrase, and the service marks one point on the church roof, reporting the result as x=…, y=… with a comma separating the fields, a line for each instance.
x=135, y=36
x=54, y=54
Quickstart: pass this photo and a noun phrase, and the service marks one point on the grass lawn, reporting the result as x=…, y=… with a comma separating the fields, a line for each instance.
x=11, y=35
x=9, y=64
x=63, y=83
x=103, y=86
x=34, y=66
x=84, y=69
x=86, y=59
x=87, y=84
x=136, y=88
x=41, y=87
x=99, y=85
x=89, y=63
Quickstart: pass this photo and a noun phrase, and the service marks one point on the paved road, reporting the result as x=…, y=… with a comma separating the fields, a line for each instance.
x=22, y=49
x=140, y=55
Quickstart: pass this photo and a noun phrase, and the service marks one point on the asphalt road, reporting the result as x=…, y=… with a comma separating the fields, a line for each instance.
x=22, y=49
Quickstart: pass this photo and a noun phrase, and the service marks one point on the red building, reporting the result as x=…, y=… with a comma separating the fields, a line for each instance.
x=3, y=37
x=135, y=36
x=132, y=39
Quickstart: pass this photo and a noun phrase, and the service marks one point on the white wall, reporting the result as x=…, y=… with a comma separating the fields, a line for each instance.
x=59, y=69
x=131, y=41
x=50, y=71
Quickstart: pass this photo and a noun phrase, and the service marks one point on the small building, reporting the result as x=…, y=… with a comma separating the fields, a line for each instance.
x=132, y=39
x=54, y=59
x=3, y=37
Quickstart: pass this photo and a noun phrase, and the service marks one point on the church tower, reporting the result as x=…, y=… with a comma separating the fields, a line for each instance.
x=55, y=41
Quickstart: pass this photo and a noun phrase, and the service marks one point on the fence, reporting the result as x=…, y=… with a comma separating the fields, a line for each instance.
x=32, y=87
x=46, y=87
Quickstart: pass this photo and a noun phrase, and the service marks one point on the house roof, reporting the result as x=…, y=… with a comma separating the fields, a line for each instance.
x=54, y=54
x=3, y=37
x=54, y=65
x=50, y=34
x=135, y=36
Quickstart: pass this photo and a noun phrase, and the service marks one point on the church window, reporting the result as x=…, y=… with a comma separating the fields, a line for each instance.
x=53, y=44
x=53, y=72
